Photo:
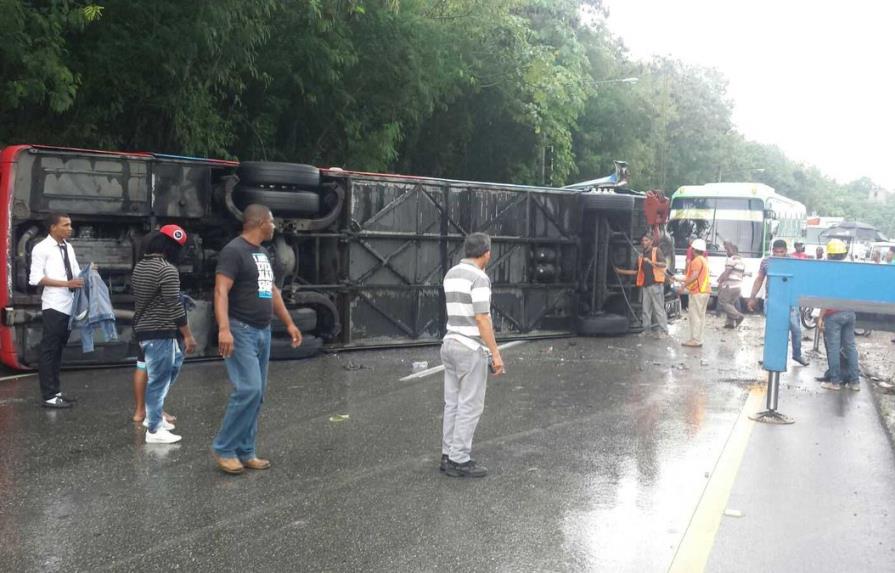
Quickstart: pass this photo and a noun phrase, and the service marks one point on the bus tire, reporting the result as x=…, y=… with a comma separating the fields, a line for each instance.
x=279, y=202
x=304, y=318
x=616, y=304
x=269, y=173
x=602, y=324
x=281, y=348
x=328, y=323
x=607, y=202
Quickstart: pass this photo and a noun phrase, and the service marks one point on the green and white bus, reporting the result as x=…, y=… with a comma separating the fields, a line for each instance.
x=751, y=215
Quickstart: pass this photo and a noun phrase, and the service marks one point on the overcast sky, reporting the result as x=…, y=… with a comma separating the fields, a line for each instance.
x=815, y=78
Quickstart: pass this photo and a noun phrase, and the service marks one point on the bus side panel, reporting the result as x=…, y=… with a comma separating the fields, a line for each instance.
x=8, y=156
x=409, y=231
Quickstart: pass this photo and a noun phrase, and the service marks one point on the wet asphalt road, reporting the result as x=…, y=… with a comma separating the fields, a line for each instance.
x=599, y=450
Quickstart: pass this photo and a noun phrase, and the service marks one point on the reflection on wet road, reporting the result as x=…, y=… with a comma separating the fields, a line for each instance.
x=599, y=450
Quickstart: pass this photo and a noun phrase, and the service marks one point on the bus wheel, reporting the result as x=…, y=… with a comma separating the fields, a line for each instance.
x=304, y=318
x=281, y=203
x=269, y=173
x=602, y=324
x=281, y=348
x=607, y=202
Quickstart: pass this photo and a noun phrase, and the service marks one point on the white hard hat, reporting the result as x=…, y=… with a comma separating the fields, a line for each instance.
x=698, y=245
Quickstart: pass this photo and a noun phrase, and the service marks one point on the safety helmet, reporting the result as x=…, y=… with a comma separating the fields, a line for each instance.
x=698, y=245
x=836, y=247
x=175, y=232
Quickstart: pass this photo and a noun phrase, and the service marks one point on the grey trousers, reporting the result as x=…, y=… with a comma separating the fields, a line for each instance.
x=653, y=306
x=727, y=298
x=465, y=378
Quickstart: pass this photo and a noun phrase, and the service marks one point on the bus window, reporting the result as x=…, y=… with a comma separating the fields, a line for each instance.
x=718, y=219
x=746, y=235
x=693, y=203
x=682, y=229
x=733, y=203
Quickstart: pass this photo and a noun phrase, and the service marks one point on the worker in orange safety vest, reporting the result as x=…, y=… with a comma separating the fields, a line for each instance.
x=696, y=284
x=650, y=275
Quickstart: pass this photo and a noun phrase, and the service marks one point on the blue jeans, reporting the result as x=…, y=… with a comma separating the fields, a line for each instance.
x=795, y=332
x=839, y=335
x=247, y=369
x=164, y=357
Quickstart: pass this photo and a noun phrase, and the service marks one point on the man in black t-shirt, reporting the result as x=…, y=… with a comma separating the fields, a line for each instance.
x=245, y=297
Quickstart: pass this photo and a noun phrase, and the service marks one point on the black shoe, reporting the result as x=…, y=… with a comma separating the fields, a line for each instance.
x=822, y=378
x=57, y=403
x=446, y=461
x=801, y=360
x=729, y=326
x=66, y=397
x=467, y=469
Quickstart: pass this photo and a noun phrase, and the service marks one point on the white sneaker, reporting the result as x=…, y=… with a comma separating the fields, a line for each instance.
x=162, y=436
x=166, y=425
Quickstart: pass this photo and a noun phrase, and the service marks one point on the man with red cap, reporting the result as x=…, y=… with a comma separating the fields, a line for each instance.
x=160, y=324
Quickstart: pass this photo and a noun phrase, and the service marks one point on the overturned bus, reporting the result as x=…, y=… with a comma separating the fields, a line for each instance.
x=359, y=257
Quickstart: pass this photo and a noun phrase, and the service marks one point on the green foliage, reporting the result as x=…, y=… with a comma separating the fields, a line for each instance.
x=92, y=12
x=499, y=90
x=34, y=55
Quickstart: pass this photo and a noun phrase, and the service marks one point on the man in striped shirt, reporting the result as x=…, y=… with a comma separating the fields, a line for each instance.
x=160, y=323
x=468, y=347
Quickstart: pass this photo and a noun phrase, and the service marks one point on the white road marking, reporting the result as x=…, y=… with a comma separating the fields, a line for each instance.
x=440, y=367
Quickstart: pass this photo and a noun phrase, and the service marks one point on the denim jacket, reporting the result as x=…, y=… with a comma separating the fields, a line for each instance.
x=91, y=309
x=188, y=302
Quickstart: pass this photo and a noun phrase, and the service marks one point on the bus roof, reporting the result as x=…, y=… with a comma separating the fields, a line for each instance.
x=738, y=190
x=750, y=190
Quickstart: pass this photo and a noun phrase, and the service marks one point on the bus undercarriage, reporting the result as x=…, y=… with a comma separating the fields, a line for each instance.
x=359, y=257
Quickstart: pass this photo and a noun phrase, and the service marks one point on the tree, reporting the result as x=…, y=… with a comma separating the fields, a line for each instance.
x=34, y=60
x=498, y=90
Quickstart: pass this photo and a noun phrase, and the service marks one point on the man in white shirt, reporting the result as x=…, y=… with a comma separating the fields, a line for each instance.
x=55, y=268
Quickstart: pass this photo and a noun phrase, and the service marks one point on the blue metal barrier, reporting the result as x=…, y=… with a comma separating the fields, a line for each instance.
x=861, y=287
